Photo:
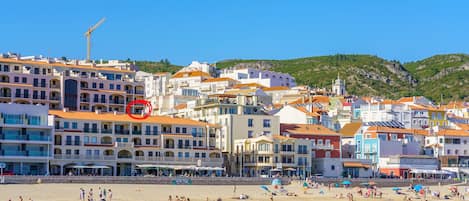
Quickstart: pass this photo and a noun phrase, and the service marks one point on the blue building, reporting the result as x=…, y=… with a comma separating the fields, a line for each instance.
x=25, y=139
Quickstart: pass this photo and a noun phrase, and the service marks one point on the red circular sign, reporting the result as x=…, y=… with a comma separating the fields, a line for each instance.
x=139, y=102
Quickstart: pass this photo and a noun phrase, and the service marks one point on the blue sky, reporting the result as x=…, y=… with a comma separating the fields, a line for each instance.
x=183, y=31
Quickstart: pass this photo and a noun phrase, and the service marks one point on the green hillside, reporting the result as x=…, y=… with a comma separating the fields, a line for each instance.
x=366, y=75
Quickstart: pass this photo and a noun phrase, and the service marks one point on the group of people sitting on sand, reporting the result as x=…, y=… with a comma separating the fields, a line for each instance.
x=103, y=194
x=178, y=198
x=370, y=193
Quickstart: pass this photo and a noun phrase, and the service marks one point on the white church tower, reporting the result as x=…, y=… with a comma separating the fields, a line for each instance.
x=338, y=87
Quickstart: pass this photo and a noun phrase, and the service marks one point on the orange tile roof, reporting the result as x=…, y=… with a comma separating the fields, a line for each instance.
x=276, y=88
x=58, y=64
x=424, y=107
x=382, y=129
x=248, y=85
x=350, y=129
x=191, y=74
x=277, y=105
x=282, y=137
x=356, y=164
x=220, y=79
x=92, y=116
x=306, y=129
x=160, y=73
x=448, y=132
x=314, y=99
x=304, y=110
x=463, y=126
x=181, y=106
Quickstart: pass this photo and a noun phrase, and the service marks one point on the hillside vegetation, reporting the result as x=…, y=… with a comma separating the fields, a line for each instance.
x=365, y=75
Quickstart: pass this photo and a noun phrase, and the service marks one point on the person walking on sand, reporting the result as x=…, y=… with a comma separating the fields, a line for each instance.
x=82, y=194
x=110, y=194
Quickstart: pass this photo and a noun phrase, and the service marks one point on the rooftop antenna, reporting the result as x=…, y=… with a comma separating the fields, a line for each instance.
x=88, y=37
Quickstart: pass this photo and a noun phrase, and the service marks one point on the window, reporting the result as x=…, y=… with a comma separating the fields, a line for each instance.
x=186, y=155
x=77, y=140
x=448, y=151
x=332, y=167
x=24, y=80
x=201, y=143
x=66, y=124
x=179, y=154
x=197, y=155
x=250, y=133
x=86, y=139
x=320, y=142
x=93, y=85
x=150, y=154
x=111, y=86
x=35, y=82
x=118, y=87
x=441, y=140
x=74, y=125
x=204, y=155
x=266, y=123
x=184, y=130
x=178, y=130
x=328, y=154
x=266, y=133
x=250, y=122
x=101, y=85
x=17, y=79
x=96, y=152
x=147, y=141
x=68, y=152
x=88, y=152
x=16, y=68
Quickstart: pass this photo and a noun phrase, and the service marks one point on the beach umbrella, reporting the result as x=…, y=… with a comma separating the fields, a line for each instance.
x=346, y=182
x=418, y=187
x=396, y=189
x=276, y=182
x=265, y=188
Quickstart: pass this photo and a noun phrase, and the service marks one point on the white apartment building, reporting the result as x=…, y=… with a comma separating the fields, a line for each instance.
x=271, y=155
x=155, y=84
x=187, y=80
x=25, y=139
x=446, y=142
x=262, y=77
x=217, y=85
x=115, y=144
x=74, y=85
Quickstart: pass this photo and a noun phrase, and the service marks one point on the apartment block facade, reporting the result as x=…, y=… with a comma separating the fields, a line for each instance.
x=25, y=139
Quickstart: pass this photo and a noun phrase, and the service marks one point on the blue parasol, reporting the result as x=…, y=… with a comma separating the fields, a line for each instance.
x=396, y=189
x=265, y=188
x=346, y=182
x=277, y=182
x=418, y=187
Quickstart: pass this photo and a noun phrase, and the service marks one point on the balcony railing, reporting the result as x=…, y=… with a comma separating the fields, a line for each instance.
x=106, y=131
x=85, y=100
x=24, y=137
x=139, y=92
x=54, y=98
x=84, y=157
x=124, y=144
x=5, y=95
x=116, y=102
x=25, y=153
x=136, y=132
x=122, y=132
x=90, y=130
x=151, y=132
x=21, y=95
x=129, y=91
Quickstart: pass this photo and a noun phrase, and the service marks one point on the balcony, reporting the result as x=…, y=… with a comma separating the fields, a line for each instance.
x=124, y=144
x=122, y=132
x=151, y=132
x=21, y=95
x=5, y=95
x=129, y=91
x=119, y=102
x=26, y=153
x=55, y=98
x=106, y=131
x=139, y=92
x=84, y=157
x=90, y=130
x=84, y=100
x=136, y=132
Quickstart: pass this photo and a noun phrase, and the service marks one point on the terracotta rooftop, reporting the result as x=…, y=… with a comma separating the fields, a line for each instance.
x=350, y=129
x=249, y=85
x=307, y=112
x=306, y=129
x=219, y=79
x=58, y=64
x=449, y=132
x=276, y=88
x=463, y=126
x=180, y=106
x=382, y=129
x=314, y=99
x=191, y=74
x=92, y=116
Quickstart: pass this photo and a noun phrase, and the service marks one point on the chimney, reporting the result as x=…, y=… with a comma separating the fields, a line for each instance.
x=65, y=109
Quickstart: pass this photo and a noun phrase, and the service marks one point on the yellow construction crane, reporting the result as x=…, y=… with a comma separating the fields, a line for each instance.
x=88, y=37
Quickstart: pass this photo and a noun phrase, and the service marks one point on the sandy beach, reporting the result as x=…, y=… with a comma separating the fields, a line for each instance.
x=136, y=192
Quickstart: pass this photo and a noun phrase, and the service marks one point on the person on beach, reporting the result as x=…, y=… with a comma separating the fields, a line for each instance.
x=110, y=194
x=82, y=194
